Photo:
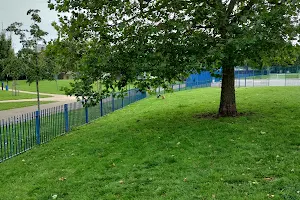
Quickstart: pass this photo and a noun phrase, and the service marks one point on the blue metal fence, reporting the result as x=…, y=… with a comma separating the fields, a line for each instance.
x=21, y=133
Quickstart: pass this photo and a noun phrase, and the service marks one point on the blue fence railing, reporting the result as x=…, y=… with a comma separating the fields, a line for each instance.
x=21, y=133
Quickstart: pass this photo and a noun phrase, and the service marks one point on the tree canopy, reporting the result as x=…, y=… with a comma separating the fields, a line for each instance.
x=171, y=39
x=6, y=53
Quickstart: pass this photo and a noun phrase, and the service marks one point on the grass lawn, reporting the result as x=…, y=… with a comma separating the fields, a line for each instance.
x=8, y=95
x=45, y=86
x=8, y=106
x=158, y=149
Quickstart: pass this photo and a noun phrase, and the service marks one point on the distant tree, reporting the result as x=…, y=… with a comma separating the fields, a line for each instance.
x=6, y=52
x=14, y=68
x=169, y=39
x=33, y=62
x=61, y=57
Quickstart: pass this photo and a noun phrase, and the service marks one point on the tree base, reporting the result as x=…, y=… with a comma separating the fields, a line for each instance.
x=228, y=110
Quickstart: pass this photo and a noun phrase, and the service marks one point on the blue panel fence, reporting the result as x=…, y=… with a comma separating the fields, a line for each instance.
x=203, y=79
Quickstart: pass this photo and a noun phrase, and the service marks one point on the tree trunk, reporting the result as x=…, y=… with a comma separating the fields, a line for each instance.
x=38, y=95
x=14, y=87
x=227, y=104
x=56, y=84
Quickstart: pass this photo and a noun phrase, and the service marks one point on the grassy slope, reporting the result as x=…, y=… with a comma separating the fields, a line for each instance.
x=156, y=149
x=7, y=95
x=8, y=106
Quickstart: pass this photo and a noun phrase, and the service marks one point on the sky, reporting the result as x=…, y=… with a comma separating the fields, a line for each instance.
x=15, y=11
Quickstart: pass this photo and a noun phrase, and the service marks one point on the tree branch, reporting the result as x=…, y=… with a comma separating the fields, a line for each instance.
x=242, y=12
x=201, y=26
x=231, y=5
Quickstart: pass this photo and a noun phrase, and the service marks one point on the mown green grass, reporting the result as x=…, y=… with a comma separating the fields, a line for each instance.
x=158, y=149
x=8, y=95
x=45, y=86
x=8, y=106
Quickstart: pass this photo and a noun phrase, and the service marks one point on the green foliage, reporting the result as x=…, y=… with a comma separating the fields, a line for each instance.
x=157, y=149
x=6, y=53
x=168, y=40
x=13, y=67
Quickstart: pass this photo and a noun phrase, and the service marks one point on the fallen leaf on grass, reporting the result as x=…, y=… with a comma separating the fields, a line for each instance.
x=268, y=178
x=62, y=178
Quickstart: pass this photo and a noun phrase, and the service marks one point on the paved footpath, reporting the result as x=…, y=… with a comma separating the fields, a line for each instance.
x=58, y=98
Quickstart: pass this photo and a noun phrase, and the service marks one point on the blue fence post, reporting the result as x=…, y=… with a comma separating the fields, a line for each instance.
x=101, y=107
x=66, y=118
x=37, y=127
x=144, y=94
x=285, y=78
x=129, y=97
x=112, y=103
x=253, y=76
x=239, y=80
x=6, y=87
x=86, y=115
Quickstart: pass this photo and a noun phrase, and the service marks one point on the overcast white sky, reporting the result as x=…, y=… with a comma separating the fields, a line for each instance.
x=15, y=11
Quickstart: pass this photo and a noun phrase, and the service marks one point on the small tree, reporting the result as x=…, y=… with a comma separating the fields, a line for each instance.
x=14, y=68
x=29, y=55
x=6, y=53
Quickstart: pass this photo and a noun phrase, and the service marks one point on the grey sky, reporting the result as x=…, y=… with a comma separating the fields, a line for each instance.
x=15, y=11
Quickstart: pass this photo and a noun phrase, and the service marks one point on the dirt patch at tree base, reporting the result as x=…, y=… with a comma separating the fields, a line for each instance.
x=216, y=115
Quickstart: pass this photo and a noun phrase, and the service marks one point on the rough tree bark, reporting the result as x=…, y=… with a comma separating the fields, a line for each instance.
x=227, y=104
